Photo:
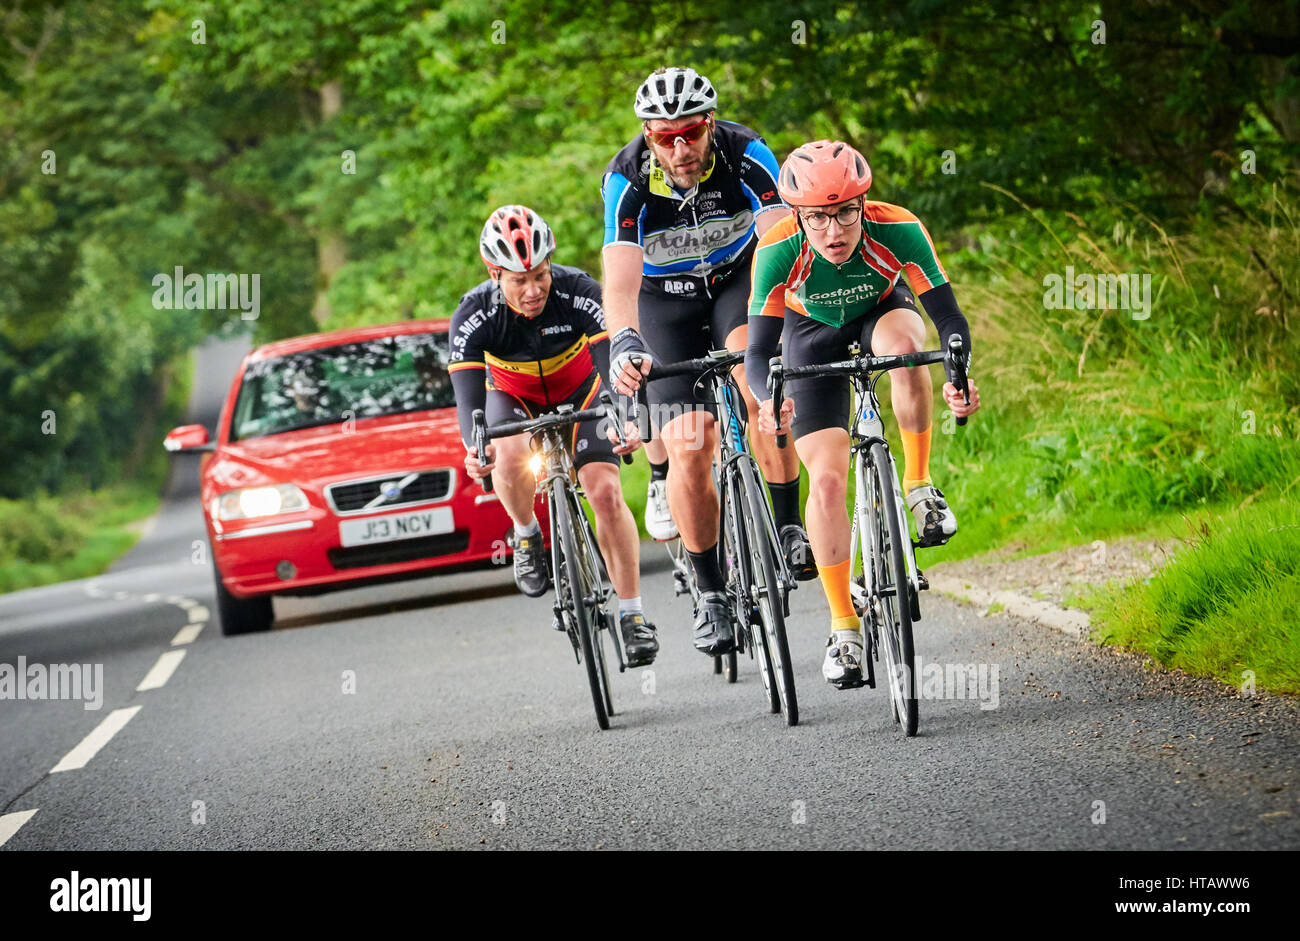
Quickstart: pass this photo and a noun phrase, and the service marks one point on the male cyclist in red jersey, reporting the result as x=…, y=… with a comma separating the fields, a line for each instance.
x=530, y=338
x=836, y=262
x=684, y=202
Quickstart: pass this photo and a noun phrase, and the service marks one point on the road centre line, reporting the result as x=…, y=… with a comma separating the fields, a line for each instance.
x=161, y=671
x=97, y=739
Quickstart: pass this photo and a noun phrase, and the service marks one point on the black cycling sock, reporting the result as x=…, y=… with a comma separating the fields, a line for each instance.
x=785, y=503
x=708, y=573
x=659, y=471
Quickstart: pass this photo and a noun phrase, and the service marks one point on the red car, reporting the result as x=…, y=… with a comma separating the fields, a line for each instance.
x=338, y=463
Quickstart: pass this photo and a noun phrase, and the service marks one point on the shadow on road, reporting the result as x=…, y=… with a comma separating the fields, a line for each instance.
x=460, y=596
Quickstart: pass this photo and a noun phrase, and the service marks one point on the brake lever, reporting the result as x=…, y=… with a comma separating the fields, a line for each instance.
x=480, y=444
x=611, y=416
x=776, y=385
x=957, y=362
x=641, y=406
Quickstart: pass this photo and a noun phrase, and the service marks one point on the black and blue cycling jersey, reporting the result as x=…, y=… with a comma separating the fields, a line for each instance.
x=691, y=240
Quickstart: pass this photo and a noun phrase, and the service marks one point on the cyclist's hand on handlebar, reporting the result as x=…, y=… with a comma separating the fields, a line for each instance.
x=631, y=433
x=625, y=346
x=953, y=398
x=766, y=424
x=476, y=470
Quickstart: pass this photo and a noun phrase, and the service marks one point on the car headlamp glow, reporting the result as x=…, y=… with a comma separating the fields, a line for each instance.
x=255, y=502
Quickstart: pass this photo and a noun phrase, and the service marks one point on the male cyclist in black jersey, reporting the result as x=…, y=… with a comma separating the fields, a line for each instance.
x=530, y=338
x=685, y=201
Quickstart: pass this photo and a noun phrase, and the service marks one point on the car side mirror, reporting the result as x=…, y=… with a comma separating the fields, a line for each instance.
x=193, y=438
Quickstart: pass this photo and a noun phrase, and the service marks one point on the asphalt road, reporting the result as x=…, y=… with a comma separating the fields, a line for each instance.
x=445, y=713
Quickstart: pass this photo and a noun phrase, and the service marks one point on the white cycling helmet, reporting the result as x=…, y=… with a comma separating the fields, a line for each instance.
x=515, y=238
x=674, y=93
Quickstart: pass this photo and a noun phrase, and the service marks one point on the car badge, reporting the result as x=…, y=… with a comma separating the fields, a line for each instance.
x=391, y=489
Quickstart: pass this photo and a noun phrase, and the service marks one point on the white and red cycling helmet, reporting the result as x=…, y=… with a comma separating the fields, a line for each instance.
x=515, y=239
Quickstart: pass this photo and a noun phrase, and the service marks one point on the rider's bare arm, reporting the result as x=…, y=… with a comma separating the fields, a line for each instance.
x=622, y=284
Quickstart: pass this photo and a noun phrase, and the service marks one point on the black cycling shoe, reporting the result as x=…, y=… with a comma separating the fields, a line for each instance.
x=713, y=631
x=639, y=640
x=530, y=564
x=798, y=553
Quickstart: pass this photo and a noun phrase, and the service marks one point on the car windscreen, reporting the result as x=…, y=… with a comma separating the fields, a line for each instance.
x=385, y=376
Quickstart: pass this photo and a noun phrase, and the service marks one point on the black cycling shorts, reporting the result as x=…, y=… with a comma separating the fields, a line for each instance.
x=677, y=328
x=823, y=401
x=587, y=442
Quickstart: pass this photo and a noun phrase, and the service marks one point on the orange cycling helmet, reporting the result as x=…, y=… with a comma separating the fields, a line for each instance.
x=823, y=173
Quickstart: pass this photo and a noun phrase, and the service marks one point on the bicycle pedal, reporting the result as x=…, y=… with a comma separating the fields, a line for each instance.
x=854, y=684
x=922, y=583
x=917, y=544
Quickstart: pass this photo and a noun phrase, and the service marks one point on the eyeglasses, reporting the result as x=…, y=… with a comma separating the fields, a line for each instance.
x=690, y=134
x=846, y=216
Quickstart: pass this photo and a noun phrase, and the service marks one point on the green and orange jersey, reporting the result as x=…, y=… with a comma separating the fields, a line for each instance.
x=786, y=272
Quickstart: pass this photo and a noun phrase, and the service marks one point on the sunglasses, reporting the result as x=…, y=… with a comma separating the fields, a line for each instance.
x=690, y=134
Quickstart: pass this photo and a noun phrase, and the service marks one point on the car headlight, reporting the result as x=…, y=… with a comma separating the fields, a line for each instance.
x=254, y=502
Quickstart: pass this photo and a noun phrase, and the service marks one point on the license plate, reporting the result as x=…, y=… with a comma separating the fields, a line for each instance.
x=396, y=526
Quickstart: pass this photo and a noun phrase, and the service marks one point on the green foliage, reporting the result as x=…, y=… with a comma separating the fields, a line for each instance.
x=1097, y=422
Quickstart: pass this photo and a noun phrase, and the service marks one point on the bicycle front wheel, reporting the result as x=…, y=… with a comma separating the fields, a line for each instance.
x=890, y=561
x=739, y=565
x=768, y=589
x=574, y=577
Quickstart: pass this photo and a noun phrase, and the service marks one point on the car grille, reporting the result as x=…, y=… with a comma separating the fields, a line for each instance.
x=404, y=550
x=353, y=495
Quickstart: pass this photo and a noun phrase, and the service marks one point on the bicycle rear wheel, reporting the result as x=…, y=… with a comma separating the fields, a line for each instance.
x=892, y=588
x=575, y=590
x=768, y=589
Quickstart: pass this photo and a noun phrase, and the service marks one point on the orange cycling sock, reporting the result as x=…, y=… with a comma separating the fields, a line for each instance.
x=916, y=458
x=846, y=624
x=835, y=582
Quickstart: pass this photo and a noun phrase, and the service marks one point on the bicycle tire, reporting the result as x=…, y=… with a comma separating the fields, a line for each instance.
x=575, y=578
x=769, y=591
x=597, y=574
x=892, y=582
x=738, y=562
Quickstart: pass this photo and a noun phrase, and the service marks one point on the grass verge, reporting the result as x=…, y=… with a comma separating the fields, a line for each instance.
x=1223, y=606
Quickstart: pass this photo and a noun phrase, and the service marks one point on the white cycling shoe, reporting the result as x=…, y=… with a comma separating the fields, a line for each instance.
x=935, y=522
x=842, y=667
x=658, y=521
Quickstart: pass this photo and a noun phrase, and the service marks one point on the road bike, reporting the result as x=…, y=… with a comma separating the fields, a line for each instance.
x=887, y=588
x=758, y=581
x=577, y=568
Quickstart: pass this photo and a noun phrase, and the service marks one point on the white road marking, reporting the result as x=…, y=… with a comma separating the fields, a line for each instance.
x=198, y=614
x=187, y=633
x=97, y=739
x=151, y=597
x=162, y=670
x=186, y=603
x=12, y=823
x=120, y=596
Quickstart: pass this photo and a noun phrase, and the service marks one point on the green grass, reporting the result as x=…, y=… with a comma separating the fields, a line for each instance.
x=1224, y=605
x=53, y=539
